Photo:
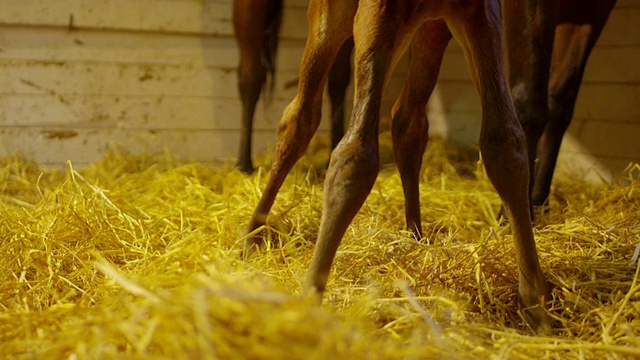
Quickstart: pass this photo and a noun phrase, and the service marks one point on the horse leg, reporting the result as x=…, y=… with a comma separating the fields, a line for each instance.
x=503, y=146
x=410, y=127
x=379, y=35
x=302, y=116
x=578, y=30
x=249, y=19
x=339, y=78
x=529, y=29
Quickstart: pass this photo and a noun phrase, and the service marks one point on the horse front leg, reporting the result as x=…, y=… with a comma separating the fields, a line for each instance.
x=249, y=20
x=327, y=32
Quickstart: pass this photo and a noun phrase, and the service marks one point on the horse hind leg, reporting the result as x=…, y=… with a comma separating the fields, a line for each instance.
x=503, y=145
x=410, y=127
x=572, y=46
x=339, y=78
x=529, y=30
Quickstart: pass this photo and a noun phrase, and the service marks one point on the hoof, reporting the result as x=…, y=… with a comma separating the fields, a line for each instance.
x=536, y=315
x=246, y=168
x=540, y=210
x=250, y=248
x=502, y=216
x=538, y=319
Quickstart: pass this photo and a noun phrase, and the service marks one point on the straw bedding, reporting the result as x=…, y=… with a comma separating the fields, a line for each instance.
x=137, y=257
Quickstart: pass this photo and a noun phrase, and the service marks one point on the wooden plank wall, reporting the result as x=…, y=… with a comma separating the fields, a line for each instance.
x=76, y=75
x=604, y=135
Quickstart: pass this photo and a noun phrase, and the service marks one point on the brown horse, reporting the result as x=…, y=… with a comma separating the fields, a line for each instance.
x=383, y=30
x=548, y=44
x=257, y=27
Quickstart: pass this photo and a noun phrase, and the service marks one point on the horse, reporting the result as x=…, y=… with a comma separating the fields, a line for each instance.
x=256, y=24
x=382, y=32
x=548, y=45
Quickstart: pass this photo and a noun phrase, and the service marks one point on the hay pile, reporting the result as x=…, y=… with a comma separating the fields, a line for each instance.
x=137, y=257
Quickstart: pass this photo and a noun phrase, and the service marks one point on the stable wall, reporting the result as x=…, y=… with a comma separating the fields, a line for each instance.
x=77, y=75
x=604, y=136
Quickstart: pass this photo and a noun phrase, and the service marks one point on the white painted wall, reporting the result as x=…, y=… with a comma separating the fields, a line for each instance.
x=76, y=75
